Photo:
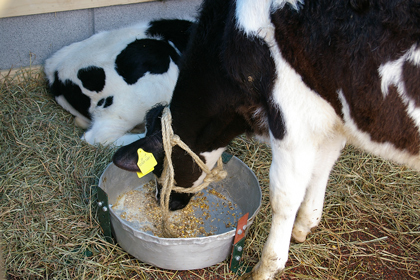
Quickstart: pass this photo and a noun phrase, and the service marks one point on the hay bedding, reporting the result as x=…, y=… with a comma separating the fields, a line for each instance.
x=370, y=227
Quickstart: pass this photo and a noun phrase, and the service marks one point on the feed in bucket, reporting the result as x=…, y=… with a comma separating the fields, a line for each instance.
x=209, y=212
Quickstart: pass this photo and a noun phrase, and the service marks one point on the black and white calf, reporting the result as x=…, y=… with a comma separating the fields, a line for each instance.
x=111, y=79
x=307, y=76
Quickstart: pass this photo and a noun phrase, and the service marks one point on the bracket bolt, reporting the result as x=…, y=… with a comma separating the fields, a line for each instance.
x=100, y=203
x=104, y=208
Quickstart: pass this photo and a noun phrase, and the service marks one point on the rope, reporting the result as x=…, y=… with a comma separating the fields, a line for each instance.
x=167, y=179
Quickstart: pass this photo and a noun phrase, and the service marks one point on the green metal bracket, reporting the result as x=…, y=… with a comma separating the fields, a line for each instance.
x=103, y=214
x=235, y=261
x=226, y=157
x=238, y=246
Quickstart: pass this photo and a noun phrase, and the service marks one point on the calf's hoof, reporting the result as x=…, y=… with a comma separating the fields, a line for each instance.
x=81, y=123
x=299, y=235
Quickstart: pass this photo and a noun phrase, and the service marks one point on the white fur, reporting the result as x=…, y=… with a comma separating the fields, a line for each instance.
x=130, y=102
x=130, y=106
x=252, y=15
x=310, y=210
x=211, y=160
x=390, y=73
x=413, y=55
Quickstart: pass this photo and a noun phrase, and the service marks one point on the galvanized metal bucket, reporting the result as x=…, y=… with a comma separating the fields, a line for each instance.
x=242, y=187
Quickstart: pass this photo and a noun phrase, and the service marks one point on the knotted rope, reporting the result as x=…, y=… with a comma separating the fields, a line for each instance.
x=167, y=179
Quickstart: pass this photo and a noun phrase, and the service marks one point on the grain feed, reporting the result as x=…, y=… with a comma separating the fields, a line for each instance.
x=209, y=212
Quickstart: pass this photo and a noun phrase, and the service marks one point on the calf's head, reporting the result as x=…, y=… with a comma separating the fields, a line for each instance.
x=186, y=176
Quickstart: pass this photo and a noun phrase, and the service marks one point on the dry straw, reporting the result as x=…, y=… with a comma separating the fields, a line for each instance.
x=369, y=230
x=2, y=266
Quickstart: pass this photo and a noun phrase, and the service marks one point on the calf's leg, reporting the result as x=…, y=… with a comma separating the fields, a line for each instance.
x=310, y=211
x=290, y=173
x=110, y=130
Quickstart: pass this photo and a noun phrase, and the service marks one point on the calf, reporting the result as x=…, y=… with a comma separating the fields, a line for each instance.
x=111, y=79
x=305, y=76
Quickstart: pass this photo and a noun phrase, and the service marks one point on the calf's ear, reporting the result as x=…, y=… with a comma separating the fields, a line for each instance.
x=153, y=120
x=126, y=157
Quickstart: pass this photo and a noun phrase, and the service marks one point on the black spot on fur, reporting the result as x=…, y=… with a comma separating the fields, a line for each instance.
x=100, y=102
x=105, y=102
x=174, y=30
x=108, y=101
x=72, y=93
x=92, y=77
x=142, y=56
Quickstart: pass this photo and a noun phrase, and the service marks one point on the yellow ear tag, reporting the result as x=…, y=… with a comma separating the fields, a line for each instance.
x=146, y=162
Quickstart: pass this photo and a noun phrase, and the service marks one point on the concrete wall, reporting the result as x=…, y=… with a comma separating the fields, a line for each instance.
x=29, y=40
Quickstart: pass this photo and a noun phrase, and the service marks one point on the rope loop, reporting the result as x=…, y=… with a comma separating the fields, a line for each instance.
x=167, y=179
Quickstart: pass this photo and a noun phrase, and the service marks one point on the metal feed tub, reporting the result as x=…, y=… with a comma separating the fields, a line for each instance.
x=240, y=185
